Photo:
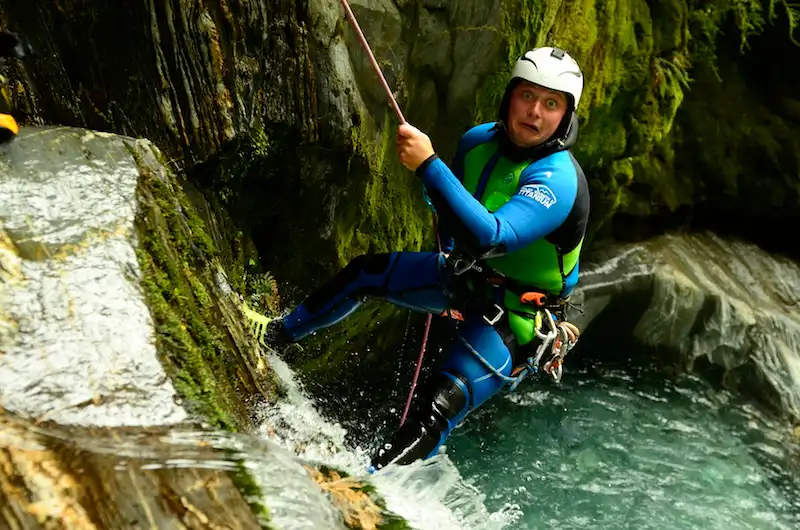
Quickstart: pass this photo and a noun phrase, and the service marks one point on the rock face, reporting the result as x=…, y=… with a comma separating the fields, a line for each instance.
x=107, y=275
x=279, y=99
x=114, y=315
x=189, y=77
x=725, y=309
x=78, y=340
x=273, y=110
x=120, y=337
x=55, y=477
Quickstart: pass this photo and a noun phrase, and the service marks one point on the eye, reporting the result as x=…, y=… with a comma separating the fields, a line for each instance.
x=552, y=104
x=527, y=95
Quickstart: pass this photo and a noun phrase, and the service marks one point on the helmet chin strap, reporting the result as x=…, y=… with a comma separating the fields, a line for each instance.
x=566, y=125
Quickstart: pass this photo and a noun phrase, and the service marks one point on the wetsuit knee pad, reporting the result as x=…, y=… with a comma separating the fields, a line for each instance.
x=366, y=263
x=450, y=397
x=446, y=403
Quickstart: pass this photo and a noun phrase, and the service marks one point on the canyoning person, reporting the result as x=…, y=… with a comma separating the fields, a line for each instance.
x=512, y=209
x=11, y=45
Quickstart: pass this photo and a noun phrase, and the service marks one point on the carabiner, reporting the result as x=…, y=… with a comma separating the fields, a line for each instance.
x=554, y=368
x=459, y=269
x=497, y=316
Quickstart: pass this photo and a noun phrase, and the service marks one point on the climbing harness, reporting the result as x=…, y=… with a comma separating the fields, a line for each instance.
x=558, y=340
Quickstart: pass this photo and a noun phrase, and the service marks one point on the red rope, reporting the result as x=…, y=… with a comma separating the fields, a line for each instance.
x=424, y=341
x=372, y=61
x=401, y=118
x=416, y=371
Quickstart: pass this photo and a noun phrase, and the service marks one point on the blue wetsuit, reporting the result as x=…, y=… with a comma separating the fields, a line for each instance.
x=425, y=281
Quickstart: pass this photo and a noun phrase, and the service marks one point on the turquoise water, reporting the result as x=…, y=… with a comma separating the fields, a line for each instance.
x=615, y=450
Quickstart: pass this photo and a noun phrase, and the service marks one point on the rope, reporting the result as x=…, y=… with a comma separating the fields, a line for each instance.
x=417, y=370
x=486, y=363
x=424, y=341
x=373, y=62
x=352, y=18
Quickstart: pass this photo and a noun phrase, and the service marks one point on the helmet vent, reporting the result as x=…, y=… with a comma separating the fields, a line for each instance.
x=557, y=53
x=524, y=58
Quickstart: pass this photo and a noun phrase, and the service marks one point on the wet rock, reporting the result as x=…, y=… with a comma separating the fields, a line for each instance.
x=189, y=79
x=477, y=45
x=354, y=499
x=120, y=336
x=80, y=344
x=723, y=308
x=432, y=47
x=111, y=295
x=97, y=478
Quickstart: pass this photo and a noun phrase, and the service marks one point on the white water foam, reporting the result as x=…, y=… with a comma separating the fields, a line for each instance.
x=430, y=494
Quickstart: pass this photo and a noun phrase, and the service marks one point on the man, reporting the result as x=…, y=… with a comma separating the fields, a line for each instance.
x=11, y=45
x=514, y=206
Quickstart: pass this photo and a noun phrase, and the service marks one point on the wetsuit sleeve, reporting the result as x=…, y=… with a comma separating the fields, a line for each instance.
x=448, y=242
x=447, y=228
x=542, y=202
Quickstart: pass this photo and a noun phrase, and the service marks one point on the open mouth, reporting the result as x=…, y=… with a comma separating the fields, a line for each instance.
x=531, y=128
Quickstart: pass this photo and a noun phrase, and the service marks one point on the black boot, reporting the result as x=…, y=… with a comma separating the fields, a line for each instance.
x=426, y=429
x=277, y=339
x=413, y=441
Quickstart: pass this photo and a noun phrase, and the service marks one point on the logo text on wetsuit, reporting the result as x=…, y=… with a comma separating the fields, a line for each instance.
x=539, y=193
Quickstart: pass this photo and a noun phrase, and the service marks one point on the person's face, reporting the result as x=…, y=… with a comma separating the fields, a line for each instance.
x=534, y=114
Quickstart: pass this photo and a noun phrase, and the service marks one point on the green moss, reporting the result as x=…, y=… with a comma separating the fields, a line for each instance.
x=175, y=257
x=181, y=335
x=611, y=41
x=638, y=58
x=388, y=212
x=360, y=198
x=252, y=493
x=792, y=12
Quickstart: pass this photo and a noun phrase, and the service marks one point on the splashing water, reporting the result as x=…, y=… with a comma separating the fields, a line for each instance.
x=430, y=494
x=609, y=451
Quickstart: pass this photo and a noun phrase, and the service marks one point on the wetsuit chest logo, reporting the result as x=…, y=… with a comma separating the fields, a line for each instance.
x=539, y=193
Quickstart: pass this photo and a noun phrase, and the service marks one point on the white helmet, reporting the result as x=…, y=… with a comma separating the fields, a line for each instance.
x=551, y=68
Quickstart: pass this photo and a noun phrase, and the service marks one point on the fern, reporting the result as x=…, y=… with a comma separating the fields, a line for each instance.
x=749, y=19
x=671, y=75
x=792, y=10
x=262, y=292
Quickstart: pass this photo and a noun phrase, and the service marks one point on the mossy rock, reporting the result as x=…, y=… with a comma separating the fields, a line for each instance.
x=213, y=361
